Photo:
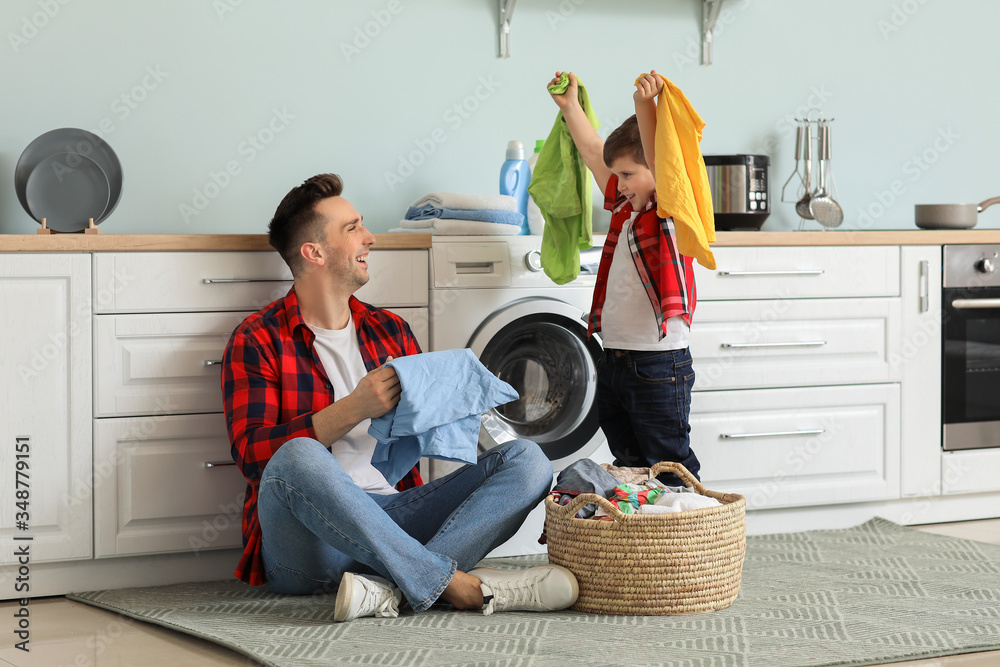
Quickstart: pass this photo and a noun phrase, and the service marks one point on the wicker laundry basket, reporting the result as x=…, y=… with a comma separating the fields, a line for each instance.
x=652, y=564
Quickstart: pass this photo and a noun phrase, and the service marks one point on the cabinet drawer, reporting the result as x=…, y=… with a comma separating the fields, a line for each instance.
x=799, y=447
x=738, y=344
x=212, y=281
x=800, y=273
x=153, y=492
x=970, y=471
x=160, y=364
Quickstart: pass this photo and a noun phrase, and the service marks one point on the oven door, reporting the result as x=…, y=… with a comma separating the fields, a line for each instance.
x=971, y=368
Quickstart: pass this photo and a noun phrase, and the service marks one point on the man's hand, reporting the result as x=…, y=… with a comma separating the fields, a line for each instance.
x=647, y=87
x=376, y=393
x=572, y=94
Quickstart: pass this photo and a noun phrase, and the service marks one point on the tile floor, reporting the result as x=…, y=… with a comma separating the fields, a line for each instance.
x=66, y=633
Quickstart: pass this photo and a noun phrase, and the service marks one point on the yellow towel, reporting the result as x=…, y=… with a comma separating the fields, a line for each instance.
x=682, y=190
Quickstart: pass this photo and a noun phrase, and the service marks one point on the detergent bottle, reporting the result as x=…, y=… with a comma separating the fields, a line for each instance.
x=515, y=175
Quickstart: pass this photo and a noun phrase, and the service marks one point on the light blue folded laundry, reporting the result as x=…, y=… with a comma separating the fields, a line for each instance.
x=442, y=397
x=428, y=211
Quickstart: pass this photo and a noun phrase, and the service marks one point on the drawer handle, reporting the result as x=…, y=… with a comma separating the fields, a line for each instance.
x=768, y=434
x=212, y=362
x=219, y=464
x=790, y=272
x=967, y=304
x=215, y=281
x=806, y=343
x=924, y=291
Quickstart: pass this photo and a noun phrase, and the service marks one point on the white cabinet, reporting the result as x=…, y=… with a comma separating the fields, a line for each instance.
x=166, y=363
x=162, y=324
x=813, y=272
x=780, y=343
x=797, y=385
x=45, y=366
x=919, y=364
x=795, y=447
x=165, y=483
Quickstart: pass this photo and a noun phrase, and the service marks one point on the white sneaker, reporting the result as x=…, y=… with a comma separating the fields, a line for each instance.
x=540, y=588
x=362, y=595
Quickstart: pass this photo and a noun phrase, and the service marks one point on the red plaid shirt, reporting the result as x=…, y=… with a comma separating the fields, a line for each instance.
x=273, y=383
x=667, y=275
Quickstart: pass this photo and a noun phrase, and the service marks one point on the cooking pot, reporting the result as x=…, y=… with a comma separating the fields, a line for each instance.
x=951, y=216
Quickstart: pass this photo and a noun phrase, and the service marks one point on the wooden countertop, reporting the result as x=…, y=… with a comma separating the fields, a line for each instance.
x=165, y=242
x=208, y=242
x=849, y=237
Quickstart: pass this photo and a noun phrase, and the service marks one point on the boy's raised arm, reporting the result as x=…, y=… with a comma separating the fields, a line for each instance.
x=588, y=142
x=647, y=87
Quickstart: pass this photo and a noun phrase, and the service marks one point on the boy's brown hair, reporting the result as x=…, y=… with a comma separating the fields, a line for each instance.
x=296, y=221
x=624, y=142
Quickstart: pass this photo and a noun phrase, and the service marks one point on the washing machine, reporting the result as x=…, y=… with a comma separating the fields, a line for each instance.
x=490, y=294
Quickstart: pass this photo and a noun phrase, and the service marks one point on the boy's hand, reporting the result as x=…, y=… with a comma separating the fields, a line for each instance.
x=647, y=86
x=572, y=94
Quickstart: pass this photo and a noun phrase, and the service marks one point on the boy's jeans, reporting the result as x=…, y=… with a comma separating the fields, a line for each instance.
x=643, y=406
x=317, y=523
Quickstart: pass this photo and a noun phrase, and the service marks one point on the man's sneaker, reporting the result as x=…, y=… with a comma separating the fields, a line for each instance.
x=366, y=595
x=540, y=588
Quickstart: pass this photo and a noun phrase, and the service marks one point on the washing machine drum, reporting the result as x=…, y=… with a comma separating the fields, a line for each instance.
x=540, y=347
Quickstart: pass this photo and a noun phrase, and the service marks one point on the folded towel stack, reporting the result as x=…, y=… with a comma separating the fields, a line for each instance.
x=456, y=214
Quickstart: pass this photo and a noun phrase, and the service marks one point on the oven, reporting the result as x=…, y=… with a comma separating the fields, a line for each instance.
x=971, y=347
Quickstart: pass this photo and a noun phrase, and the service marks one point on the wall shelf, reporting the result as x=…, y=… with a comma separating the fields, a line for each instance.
x=709, y=17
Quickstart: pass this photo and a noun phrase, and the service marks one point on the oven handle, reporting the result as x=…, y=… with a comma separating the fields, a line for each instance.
x=972, y=304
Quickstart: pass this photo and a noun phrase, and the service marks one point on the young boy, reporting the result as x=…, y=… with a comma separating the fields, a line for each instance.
x=643, y=313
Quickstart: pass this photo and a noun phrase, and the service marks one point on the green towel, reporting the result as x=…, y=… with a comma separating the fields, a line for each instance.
x=560, y=185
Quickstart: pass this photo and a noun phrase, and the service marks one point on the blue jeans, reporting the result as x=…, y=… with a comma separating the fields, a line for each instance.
x=318, y=524
x=643, y=407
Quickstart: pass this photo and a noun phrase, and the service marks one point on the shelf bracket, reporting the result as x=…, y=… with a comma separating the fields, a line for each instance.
x=506, y=13
x=709, y=17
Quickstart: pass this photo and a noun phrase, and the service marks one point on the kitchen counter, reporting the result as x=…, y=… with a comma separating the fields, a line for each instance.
x=166, y=242
x=850, y=237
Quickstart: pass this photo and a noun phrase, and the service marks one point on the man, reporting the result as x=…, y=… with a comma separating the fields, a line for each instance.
x=301, y=380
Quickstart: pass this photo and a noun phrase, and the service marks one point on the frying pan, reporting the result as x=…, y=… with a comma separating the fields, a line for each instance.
x=951, y=216
x=73, y=141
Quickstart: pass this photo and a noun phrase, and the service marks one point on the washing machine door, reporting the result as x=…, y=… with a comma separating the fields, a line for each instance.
x=540, y=347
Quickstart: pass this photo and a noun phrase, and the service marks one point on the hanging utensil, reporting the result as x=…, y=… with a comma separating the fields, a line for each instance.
x=824, y=208
x=802, y=206
x=798, y=158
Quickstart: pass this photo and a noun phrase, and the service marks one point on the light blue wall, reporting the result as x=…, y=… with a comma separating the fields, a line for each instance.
x=898, y=76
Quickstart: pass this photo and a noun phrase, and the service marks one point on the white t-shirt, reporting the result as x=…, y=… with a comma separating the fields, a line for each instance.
x=627, y=319
x=340, y=353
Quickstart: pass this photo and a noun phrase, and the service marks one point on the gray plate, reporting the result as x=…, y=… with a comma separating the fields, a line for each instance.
x=75, y=141
x=67, y=189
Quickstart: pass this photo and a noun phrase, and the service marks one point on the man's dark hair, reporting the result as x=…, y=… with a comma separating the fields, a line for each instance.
x=624, y=142
x=296, y=221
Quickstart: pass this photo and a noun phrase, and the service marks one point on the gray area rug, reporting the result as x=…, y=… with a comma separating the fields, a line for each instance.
x=866, y=595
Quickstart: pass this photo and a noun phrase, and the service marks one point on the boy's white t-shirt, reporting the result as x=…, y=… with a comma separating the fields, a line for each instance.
x=627, y=319
x=340, y=353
